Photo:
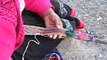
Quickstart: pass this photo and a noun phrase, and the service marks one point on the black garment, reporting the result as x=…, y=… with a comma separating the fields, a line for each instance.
x=64, y=11
x=34, y=51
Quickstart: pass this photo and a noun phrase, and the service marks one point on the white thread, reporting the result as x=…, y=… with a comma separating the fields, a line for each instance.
x=35, y=41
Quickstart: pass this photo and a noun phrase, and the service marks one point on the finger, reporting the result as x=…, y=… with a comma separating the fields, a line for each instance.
x=59, y=23
x=55, y=36
x=59, y=36
x=50, y=35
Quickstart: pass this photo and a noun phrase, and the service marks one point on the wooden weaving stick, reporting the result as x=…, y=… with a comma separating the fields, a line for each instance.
x=35, y=30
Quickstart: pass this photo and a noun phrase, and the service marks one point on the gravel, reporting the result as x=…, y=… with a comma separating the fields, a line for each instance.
x=94, y=14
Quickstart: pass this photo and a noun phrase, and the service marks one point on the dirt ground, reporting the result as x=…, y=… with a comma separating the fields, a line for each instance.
x=94, y=14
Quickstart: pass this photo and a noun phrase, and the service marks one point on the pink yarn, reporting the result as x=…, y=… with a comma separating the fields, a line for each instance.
x=82, y=36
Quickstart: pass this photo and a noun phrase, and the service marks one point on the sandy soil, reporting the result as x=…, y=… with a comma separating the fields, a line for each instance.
x=94, y=14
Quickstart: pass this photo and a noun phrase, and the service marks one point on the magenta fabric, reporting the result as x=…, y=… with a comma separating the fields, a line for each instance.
x=38, y=6
x=11, y=28
x=11, y=24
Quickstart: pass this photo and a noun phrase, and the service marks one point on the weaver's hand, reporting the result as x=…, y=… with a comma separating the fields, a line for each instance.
x=52, y=20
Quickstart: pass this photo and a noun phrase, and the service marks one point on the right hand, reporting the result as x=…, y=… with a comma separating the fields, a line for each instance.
x=52, y=20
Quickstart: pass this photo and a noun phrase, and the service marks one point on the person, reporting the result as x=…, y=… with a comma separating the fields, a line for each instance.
x=12, y=36
x=30, y=50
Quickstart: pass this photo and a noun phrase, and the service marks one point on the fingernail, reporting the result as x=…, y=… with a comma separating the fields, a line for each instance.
x=58, y=26
x=50, y=36
x=55, y=36
x=60, y=36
